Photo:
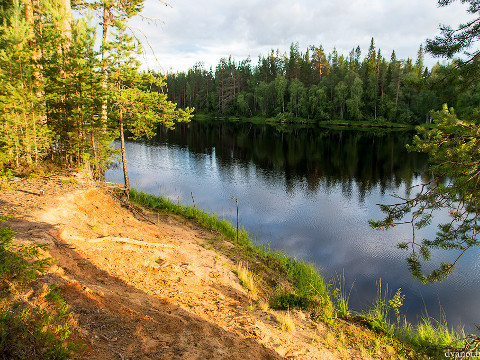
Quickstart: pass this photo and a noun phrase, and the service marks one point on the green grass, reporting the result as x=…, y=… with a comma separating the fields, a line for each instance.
x=430, y=337
x=309, y=287
x=340, y=296
x=29, y=329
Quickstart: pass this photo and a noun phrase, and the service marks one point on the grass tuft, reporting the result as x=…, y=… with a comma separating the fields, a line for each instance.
x=246, y=278
x=341, y=297
x=285, y=321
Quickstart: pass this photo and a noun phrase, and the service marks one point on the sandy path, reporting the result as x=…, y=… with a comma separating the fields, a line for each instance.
x=147, y=291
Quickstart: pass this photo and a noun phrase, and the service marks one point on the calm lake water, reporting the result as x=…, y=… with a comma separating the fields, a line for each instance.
x=310, y=192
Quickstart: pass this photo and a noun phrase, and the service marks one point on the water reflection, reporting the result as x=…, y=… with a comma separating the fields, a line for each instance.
x=310, y=192
x=322, y=158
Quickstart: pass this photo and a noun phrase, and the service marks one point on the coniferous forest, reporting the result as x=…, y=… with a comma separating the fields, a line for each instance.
x=63, y=96
x=69, y=87
x=318, y=86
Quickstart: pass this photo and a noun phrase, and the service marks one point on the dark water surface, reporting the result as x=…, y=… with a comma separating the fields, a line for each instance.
x=310, y=192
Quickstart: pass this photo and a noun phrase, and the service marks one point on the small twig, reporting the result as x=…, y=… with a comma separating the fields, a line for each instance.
x=107, y=338
x=236, y=201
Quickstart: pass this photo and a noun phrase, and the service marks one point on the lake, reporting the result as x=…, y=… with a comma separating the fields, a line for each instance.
x=310, y=192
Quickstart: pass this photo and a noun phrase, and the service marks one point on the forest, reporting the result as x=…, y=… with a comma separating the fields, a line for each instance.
x=71, y=85
x=63, y=96
x=318, y=86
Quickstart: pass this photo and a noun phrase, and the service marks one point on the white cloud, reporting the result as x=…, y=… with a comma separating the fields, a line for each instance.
x=200, y=30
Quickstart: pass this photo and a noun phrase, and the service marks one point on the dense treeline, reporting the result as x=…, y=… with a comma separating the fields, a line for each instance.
x=65, y=99
x=314, y=85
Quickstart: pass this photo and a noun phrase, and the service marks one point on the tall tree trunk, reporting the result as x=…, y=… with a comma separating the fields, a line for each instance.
x=396, y=96
x=107, y=18
x=29, y=20
x=107, y=21
x=95, y=155
x=376, y=88
x=124, y=156
x=37, y=75
x=122, y=140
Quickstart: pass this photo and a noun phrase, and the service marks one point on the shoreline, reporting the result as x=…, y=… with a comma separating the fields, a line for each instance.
x=122, y=267
x=341, y=124
x=379, y=317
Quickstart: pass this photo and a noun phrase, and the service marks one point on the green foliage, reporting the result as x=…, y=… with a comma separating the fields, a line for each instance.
x=35, y=334
x=453, y=147
x=291, y=300
x=60, y=97
x=23, y=139
x=28, y=330
x=20, y=263
x=315, y=86
x=458, y=41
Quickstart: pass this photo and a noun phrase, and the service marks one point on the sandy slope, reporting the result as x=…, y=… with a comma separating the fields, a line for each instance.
x=147, y=291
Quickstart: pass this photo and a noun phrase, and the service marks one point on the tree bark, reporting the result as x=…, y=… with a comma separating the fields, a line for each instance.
x=105, y=34
x=124, y=156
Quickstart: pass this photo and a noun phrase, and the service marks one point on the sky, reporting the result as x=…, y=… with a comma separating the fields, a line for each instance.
x=193, y=31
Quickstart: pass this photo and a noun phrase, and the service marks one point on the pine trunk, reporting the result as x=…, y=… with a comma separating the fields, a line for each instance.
x=105, y=35
x=124, y=155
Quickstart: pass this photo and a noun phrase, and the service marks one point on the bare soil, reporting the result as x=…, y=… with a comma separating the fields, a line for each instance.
x=149, y=290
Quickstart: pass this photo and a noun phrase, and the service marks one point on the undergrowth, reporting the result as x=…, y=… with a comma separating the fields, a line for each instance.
x=429, y=337
x=31, y=327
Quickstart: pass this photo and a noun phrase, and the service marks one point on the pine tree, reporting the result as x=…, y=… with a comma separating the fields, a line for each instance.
x=22, y=136
x=419, y=68
x=137, y=109
x=453, y=42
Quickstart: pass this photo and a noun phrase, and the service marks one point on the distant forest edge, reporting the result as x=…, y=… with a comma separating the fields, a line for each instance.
x=315, y=86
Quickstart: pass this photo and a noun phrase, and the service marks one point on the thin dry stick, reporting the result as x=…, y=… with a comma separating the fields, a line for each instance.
x=191, y=194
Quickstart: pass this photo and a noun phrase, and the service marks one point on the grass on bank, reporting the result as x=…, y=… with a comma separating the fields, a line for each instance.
x=246, y=278
x=309, y=290
x=34, y=324
x=429, y=338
